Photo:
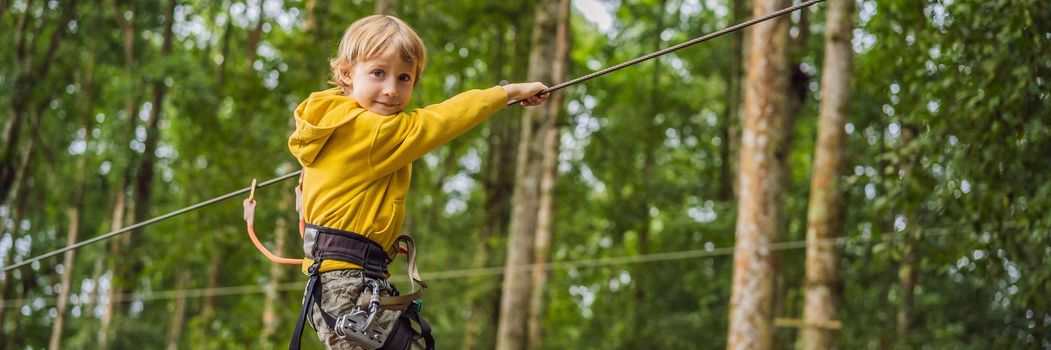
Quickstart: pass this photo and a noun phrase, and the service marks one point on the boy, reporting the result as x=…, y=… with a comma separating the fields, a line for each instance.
x=357, y=147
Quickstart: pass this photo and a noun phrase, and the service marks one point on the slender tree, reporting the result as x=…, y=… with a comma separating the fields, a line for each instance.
x=117, y=218
x=75, y=206
x=548, y=177
x=256, y=34
x=497, y=180
x=178, y=315
x=18, y=197
x=825, y=208
x=908, y=266
x=224, y=53
x=760, y=204
x=512, y=328
x=732, y=125
x=145, y=173
x=125, y=18
x=31, y=67
x=109, y=304
x=498, y=177
x=797, y=93
x=141, y=183
x=907, y=279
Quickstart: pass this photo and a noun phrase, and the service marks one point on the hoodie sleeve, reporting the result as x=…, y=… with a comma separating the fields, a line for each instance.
x=400, y=139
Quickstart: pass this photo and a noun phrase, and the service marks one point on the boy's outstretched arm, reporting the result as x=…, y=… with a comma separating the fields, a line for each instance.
x=398, y=140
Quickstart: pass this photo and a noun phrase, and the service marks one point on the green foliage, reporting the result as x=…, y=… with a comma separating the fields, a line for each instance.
x=949, y=133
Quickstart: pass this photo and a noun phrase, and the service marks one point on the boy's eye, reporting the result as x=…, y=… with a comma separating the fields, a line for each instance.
x=404, y=77
x=377, y=73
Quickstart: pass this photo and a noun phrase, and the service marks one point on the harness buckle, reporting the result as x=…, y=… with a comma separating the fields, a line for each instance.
x=354, y=326
x=357, y=326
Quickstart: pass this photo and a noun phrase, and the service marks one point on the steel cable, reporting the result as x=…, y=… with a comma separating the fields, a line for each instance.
x=150, y=221
x=680, y=46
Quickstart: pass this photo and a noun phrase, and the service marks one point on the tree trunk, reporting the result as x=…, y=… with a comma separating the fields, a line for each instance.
x=21, y=191
x=543, y=238
x=27, y=74
x=73, y=216
x=118, y=215
x=208, y=309
x=498, y=179
x=825, y=209
x=179, y=313
x=512, y=328
x=761, y=187
x=499, y=184
x=907, y=277
x=93, y=294
x=131, y=94
x=548, y=177
x=224, y=52
x=83, y=105
x=19, y=198
x=797, y=93
x=127, y=29
x=116, y=223
x=144, y=174
x=6, y=292
x=731, y=130
x=254, y=36
x=27, y=285
x=908, y=270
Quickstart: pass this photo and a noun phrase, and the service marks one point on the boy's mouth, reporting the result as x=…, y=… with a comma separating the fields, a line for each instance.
x=385, y=104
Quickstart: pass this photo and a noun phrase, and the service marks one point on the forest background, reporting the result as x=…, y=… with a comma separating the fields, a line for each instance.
x=633, y=186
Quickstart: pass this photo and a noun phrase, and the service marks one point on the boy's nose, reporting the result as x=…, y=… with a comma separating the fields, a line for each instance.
x=390, y=90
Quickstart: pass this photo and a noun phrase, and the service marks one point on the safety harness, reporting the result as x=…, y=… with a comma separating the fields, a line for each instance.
x=359, y=325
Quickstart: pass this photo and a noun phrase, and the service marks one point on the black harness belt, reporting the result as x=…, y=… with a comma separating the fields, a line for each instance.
x=333, y=244
x=325, y=243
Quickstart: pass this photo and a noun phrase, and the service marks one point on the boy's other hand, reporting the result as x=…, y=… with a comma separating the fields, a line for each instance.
x=528, y=94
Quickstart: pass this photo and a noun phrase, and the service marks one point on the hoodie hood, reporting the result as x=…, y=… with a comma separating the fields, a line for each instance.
x=316, y=119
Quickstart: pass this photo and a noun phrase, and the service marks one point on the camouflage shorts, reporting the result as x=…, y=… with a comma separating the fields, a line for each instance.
x=339, y=293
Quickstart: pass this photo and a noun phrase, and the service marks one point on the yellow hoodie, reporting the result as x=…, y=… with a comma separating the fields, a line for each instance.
x=357, y=164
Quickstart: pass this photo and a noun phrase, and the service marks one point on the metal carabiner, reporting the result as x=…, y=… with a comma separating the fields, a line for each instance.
x=376, y=285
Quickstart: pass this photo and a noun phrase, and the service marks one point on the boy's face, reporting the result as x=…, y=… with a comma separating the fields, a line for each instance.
x=383, y=84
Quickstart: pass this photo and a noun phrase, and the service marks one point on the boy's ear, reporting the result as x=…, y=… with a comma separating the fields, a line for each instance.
x=348, y=76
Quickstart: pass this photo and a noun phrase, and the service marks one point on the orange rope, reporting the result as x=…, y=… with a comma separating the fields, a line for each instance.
x=249, y=216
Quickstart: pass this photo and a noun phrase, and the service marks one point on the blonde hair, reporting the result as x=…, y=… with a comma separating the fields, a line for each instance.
x=372, y=36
